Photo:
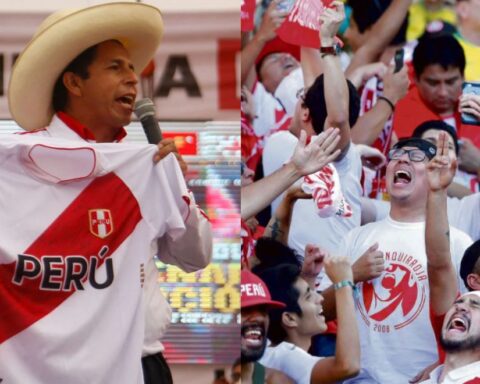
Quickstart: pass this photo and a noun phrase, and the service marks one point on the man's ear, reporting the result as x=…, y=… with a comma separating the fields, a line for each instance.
x=289, y=320
x=473, y=281
x=73, y=83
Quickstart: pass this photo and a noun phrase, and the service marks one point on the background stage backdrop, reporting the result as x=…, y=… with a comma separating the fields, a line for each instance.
x=196, y=69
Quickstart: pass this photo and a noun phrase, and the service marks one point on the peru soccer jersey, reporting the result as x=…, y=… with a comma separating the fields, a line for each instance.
x=76, y=228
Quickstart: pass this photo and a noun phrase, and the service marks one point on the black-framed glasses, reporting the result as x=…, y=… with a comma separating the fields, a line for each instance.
x=416, y=155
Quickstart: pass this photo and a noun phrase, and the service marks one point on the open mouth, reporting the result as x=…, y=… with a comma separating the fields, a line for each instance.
x=458, y=324
x=402, y=177
x=253, y=334
x=127, y=100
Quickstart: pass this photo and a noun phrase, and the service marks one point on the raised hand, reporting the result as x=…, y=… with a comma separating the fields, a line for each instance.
x=312, y=262
x=167, y=146
x=272, y=19
x=330, y=19
x=441, y=169
x=470, y=103
x=319, y=152
x=338, y=268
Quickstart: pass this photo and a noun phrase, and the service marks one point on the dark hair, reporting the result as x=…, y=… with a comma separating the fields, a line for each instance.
x=272, y=252
x=469, y=260
x=443, y=50
x=315, y=102
x=280, y=281
x=438, y=125
x=366, y=13
x=79, y=66
x=427, y=147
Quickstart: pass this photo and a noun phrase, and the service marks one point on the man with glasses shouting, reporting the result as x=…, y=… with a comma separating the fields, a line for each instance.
x=396, y=337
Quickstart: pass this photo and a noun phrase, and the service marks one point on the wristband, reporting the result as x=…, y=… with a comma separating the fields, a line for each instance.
x=387, y=101
x=345, y=283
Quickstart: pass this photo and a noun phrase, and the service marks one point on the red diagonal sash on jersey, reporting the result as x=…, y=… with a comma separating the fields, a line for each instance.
x=23, y=305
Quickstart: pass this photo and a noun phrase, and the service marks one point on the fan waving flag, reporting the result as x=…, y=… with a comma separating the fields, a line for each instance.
x=302, y=24
x=247, y=12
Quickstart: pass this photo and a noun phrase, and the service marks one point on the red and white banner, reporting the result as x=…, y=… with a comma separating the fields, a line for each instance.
x=195, y=72
x=302, y=24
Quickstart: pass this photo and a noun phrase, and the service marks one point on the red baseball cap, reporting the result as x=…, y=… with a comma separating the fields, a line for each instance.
x=255, y=292
x=278, y=45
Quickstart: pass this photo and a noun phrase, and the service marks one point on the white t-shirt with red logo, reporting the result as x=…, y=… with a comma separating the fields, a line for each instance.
x=76, y=230
x=396, y=335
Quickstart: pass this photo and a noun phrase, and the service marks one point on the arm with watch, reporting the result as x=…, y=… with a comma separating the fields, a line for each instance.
x=334, y=83
x=370, y=125
x=346, y=362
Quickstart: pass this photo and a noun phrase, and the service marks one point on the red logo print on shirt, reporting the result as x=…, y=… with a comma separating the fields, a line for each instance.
x=397, y=297
x=101, y=224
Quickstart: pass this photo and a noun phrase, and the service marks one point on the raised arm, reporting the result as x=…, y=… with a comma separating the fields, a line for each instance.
x=346, y=362
x=272, y=19
x=441, y=272
x=335, y=85
x=380, y=34
x=279, y=225
x=369, y=126
x=306, y=159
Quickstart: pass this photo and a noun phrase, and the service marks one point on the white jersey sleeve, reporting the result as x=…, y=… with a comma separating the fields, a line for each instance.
x=464, y=214
x=290, y=360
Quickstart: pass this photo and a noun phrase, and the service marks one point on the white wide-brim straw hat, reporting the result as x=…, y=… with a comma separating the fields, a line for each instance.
x=63, y=36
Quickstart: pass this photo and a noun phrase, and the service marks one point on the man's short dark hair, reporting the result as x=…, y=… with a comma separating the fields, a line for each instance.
x=438, y=125
x=280, y=281
x=272, y=252
x=79, y=66
x=366, y=13
x=469, y=261
x=315, y=102
x=444, y=50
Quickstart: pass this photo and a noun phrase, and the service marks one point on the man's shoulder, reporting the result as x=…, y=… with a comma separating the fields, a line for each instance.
x=458, y=234
x=281, y=138
x=278, y=149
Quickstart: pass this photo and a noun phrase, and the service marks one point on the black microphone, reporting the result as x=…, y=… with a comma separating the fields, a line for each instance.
x=145, y=111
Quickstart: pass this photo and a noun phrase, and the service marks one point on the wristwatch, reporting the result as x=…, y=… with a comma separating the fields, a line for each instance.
x=330, y=50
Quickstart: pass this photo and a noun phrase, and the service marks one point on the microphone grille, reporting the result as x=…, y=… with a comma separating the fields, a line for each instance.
x=144, y=108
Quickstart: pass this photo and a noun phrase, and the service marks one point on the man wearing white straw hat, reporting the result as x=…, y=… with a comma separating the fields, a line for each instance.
x=77, y=80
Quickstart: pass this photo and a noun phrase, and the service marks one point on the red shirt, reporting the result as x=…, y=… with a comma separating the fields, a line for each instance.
x=411, y=111
x=82, y=131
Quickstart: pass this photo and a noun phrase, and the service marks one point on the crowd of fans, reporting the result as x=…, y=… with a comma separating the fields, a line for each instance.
x=360, y=195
